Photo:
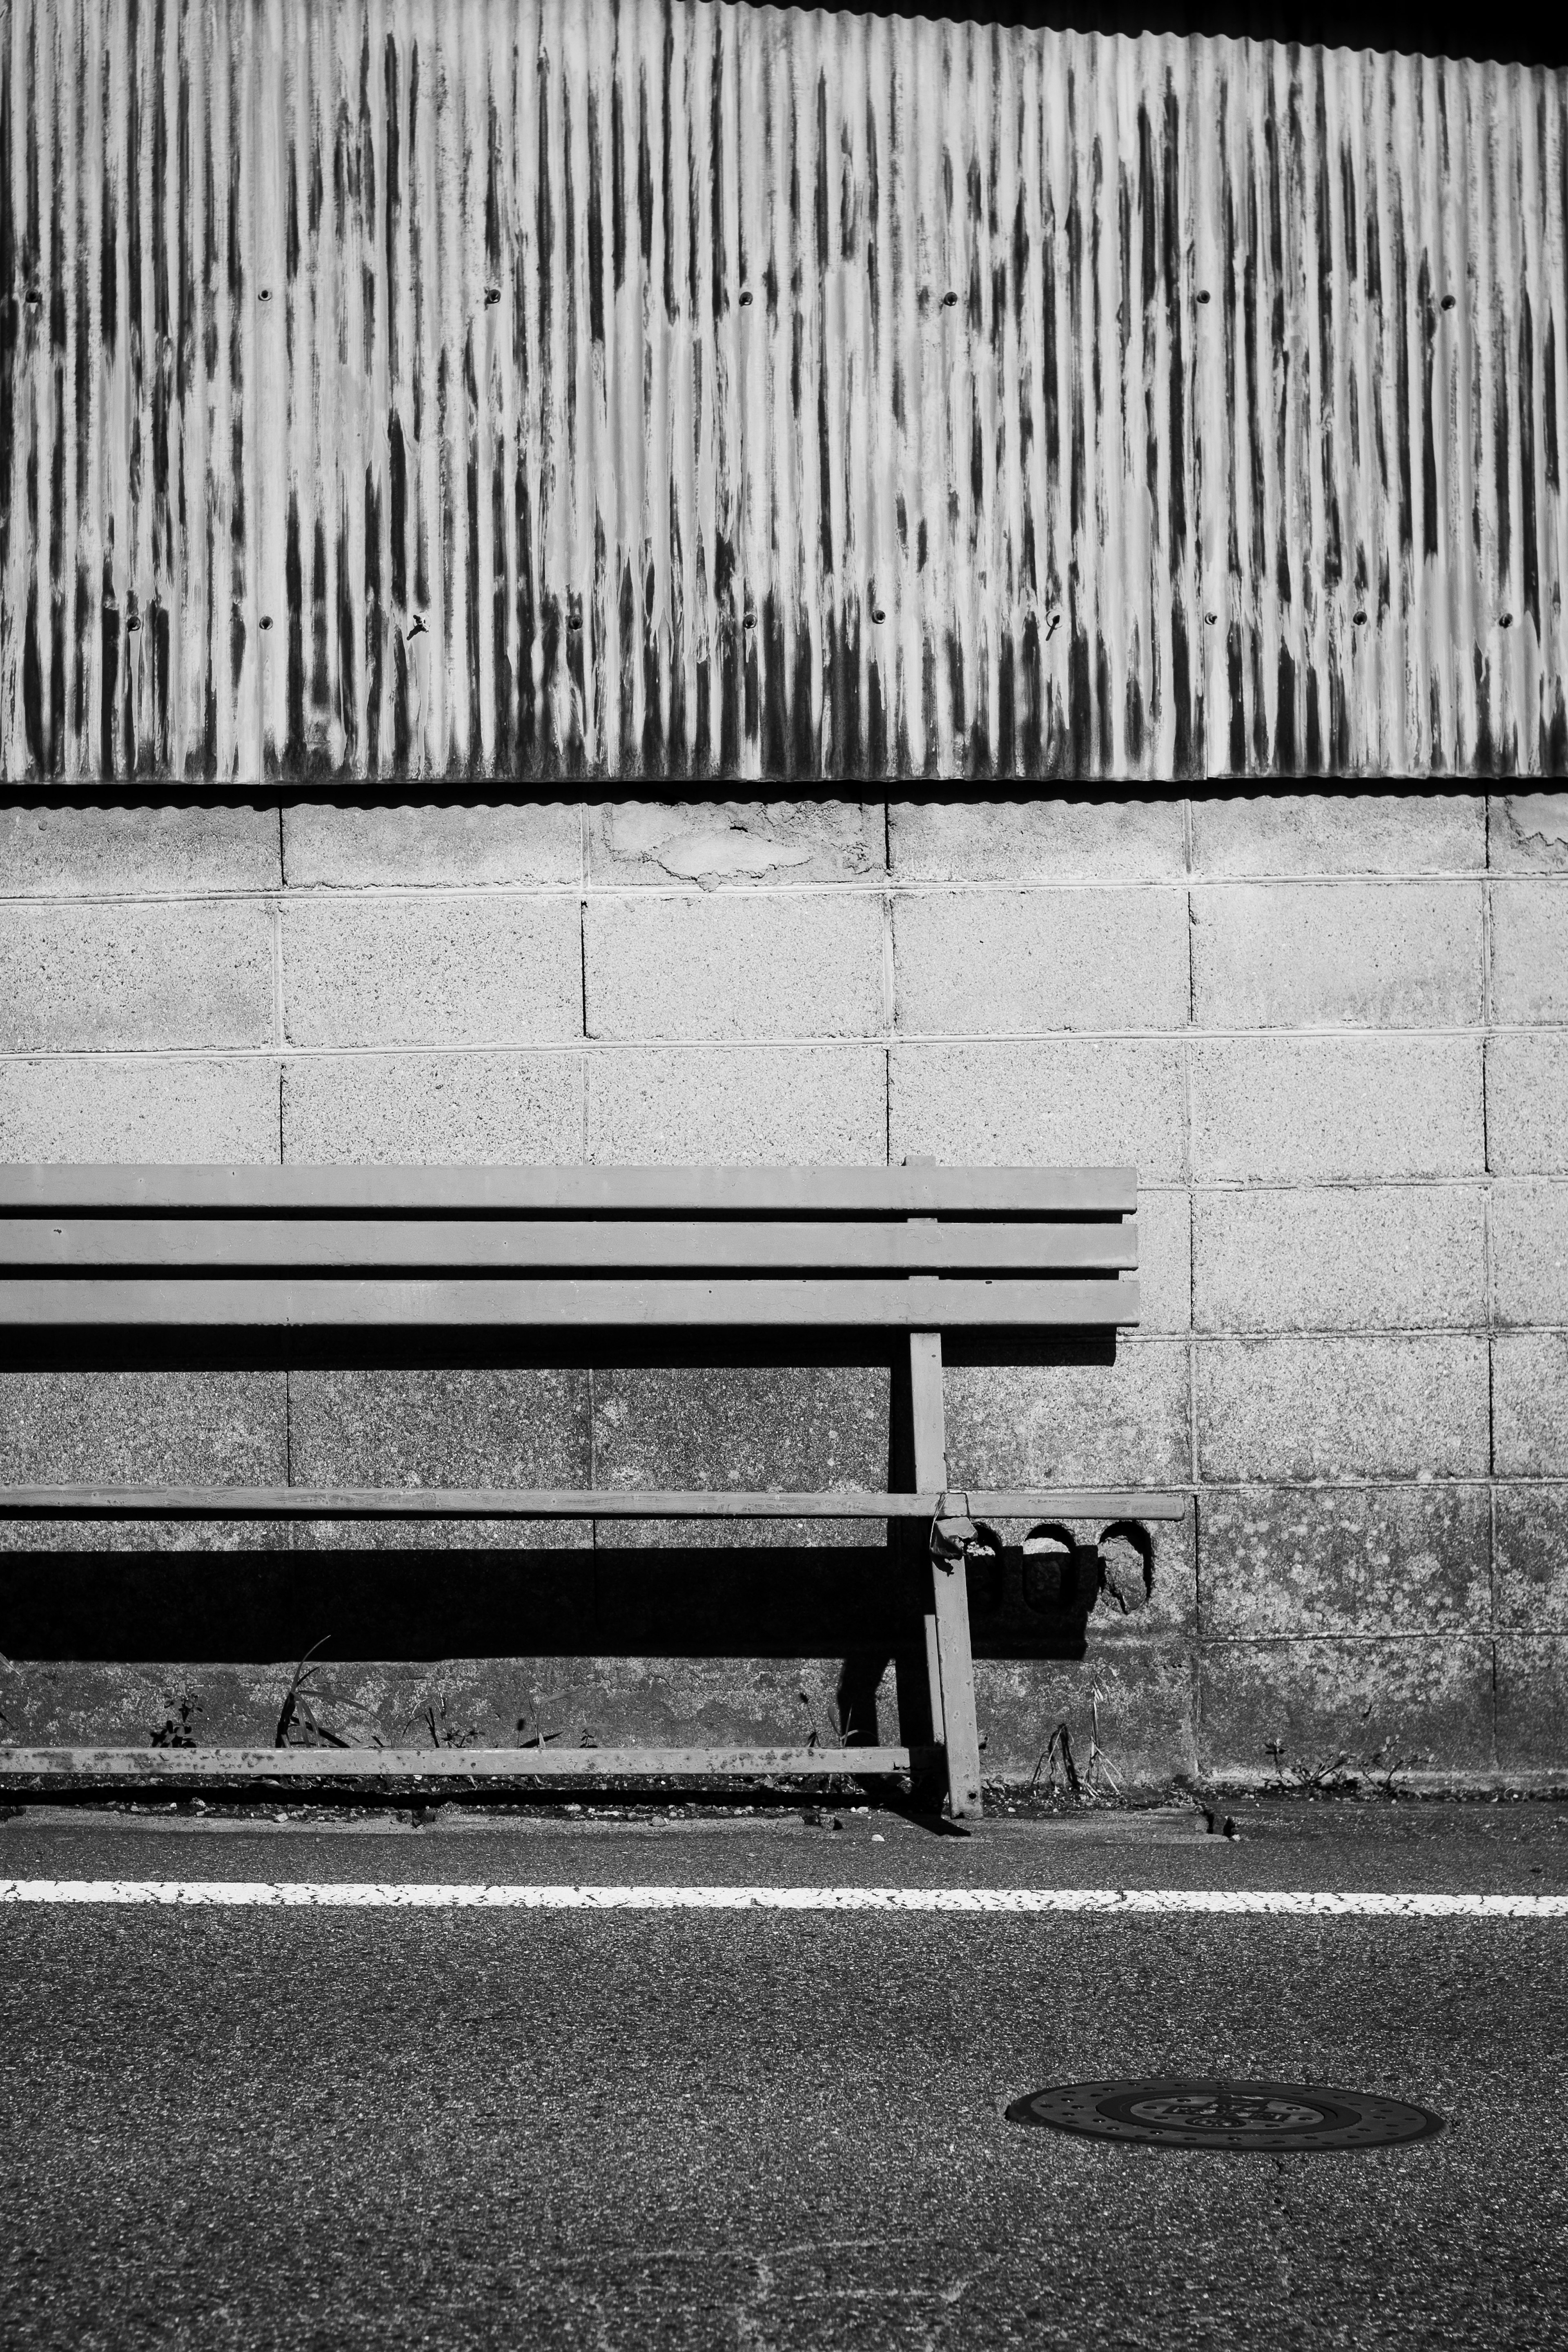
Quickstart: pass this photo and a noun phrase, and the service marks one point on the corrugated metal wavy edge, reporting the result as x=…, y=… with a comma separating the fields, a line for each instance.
x=552, y=388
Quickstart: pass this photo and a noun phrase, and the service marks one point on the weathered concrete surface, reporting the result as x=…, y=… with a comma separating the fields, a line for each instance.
x=470, y=1108
x=1530, y=1252
x=448, y=970
x=1283, y=1109
x=1532, y=1567
x=100, y=976
x=342, y=846
x=1032, y=1103
x=142, y=1427
x=1371, y=955
x=740, y=1105
x=1530, y=951
x=1401, y=1257
x=1527, y=833
x=723, y=966
x=1411, y=1698
x=1339, y=834
x=733, y=845
x=120, y=853
x=1337, y=1406
x=158, y=1108
x=1532, y=1704
x=1289, y=1561
x=1530, y=1403
x=1070, y=1424
x=1527, y=1105
x=1033, y=959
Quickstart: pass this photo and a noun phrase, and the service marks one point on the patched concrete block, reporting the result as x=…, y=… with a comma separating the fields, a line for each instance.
x=1106, y=1101
x=1357, y=954
x=147, y=1108
x=1289, y=1562
x=732, y=844
x=1037, y=839
x=1527, y=1105
x=101, y=977
x=517, y=1109
x=447, y=1426
x=1071, y=1425
x=1530, y=951
x=1282, y=1110
x=999, y=962
x=734, y=966
x=518, y=842
x=1351, y=833
x=1402, y=1256
x=124, y=853
x=1529, y=1404
x=447, y=971
x=1528, y=833
x=1530, y=1252
x=739, y=1106
x=1531, y=1588
x=1406, y=1697
x=1533, y=1706
x=1404, y=1407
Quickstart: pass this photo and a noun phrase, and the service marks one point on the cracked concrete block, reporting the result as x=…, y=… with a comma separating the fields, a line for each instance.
x=1430, y=1697
x=1528, y=833
x=718, y=844
x=1527, y=1105
x=143, y=1108
x=999, y=962
x=515, y=1109
x=1284, y=1109
x=516, y=842
x=1099, y=1102
x=1533, y=1704
x=1409, y=1406
x=1530, y=951
x=153, y=974
x=1352, y=954
x=1530, y=1252
x=1275, y=1562
x=471, y=969
x=1529, y=1404
x=1403, y=1256
x=1071, y=1425
x=740, y=1105
x=127, y=853
x=1036, y=838
x=1532, y=1587
x=733, y=965
x=1335, y=832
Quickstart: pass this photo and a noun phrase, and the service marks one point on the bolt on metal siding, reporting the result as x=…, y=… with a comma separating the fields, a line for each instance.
x=433, y=388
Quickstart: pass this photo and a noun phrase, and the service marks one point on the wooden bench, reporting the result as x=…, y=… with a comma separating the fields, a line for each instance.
x=98, y=1265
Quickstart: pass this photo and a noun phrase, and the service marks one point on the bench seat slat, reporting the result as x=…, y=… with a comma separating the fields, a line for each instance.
x=151, y=1764
x=920, y=1303
x=159, y=1244
x=672, y=1191
x=568, y=1503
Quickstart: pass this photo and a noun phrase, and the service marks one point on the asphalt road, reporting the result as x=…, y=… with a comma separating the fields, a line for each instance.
x=330, y=2128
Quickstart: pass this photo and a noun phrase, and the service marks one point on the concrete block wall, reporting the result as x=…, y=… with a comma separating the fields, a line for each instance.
x=1331, y=1031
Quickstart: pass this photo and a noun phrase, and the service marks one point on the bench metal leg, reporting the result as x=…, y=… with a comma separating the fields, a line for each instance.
x=936, y=1690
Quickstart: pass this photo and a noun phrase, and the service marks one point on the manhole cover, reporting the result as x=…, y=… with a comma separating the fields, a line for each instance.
x=1268, y=2116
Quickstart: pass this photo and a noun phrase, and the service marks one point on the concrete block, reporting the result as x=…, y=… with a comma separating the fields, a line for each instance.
x=474, y=969
x=1037, y=839
x=1334, y=832
x=149, y=975
x=1528, y=833
x=1529, y=1404
x=450, y=1426
x=1530, y=951
x=1530, y=1252
x=127, y=853
x=1285, y=1109
x=1072, y=1424
x=1533, y=1706
x=1401, y=1697
x=1275, y=1562
x=145, y=1107
x=716, y=844
x=1142, y=1689
x=517, y=1109
x=1406, y=1407
x=996, y=963
x=1353, y=954
x=518, y=842
x=1099, y=1101
x=741, y=1106
x=1164, y=1260
x=1396, y=1257
x=1531, y=1583
x=142, y=1428
x=733, y=965
x=1527, y=1105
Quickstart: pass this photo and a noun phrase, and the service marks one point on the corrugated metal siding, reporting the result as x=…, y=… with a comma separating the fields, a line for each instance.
x=484, y=387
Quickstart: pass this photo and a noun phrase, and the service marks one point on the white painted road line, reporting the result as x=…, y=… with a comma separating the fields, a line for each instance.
x=338, y=1895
